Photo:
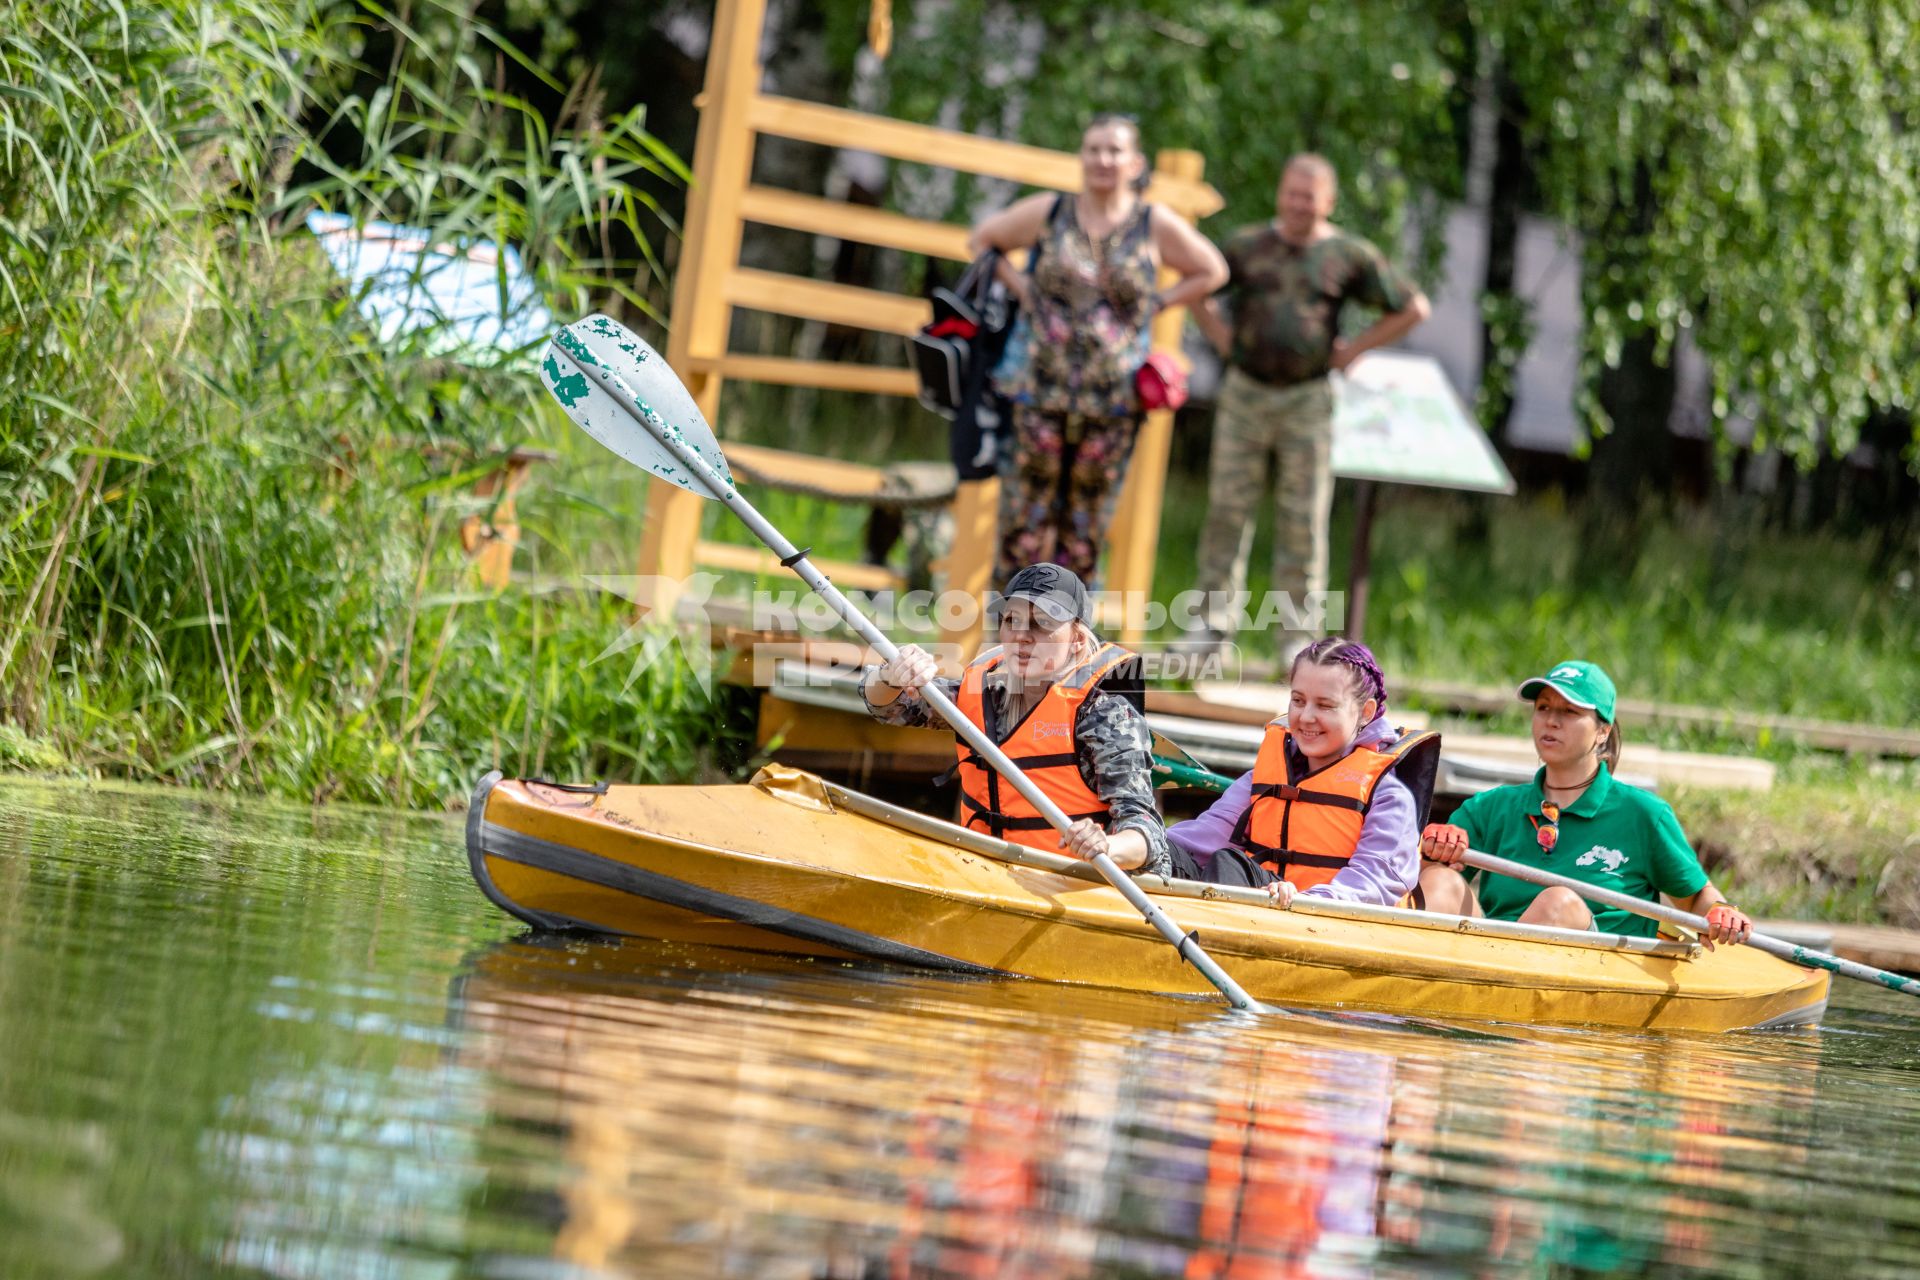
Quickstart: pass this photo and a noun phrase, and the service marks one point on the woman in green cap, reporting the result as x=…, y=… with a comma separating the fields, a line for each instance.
x=1574, y=819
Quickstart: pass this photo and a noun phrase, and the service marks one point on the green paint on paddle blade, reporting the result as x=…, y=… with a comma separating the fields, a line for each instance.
x=1174, y=773
x=646, y=410
x=568, y=388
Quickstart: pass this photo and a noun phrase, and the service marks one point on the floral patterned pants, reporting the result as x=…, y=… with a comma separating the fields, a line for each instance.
x=1058, y=487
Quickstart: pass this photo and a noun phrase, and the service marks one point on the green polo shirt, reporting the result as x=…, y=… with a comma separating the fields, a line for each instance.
x=1615, y=836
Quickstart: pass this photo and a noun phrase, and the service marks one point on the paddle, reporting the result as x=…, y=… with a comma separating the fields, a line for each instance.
x=619, y=390
x=1592, y=893
x=1173, y=766
x=1673, y=915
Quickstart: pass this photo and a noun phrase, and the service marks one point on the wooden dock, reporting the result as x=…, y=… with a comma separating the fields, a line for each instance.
x=1830, y=735
x=1881, y=945
x=1640, y=763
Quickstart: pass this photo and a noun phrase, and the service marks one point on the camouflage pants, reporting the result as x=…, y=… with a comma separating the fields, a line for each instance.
x=1058, y=488
x=1292, y=426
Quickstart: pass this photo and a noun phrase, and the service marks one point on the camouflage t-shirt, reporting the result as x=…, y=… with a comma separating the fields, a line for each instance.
x=1285, y=299
x=1112, y=745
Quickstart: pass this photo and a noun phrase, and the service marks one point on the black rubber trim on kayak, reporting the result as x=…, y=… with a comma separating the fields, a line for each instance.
x=501, y=842
x=575, y=788
x=477, y=862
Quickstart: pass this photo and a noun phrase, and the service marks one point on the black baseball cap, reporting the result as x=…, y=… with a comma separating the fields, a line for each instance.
x=1054, y=590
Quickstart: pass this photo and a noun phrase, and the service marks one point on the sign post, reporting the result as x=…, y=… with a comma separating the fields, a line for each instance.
x=1397, y=420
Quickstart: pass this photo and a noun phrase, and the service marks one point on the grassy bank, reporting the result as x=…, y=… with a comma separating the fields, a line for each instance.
x=226, y=507
x=1830, y=842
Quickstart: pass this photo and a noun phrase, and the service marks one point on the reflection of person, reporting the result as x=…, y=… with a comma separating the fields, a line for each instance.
x=1083, y=333
x=1335, y=799
x=1290, y=280
x=1065, y=706
x=1294, y=1169
x=1576, y=820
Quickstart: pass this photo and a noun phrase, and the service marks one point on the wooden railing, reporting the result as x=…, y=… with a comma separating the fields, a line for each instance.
x=711, y=283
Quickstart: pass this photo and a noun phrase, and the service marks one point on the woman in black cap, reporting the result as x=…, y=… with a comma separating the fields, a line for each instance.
x=1065, y=706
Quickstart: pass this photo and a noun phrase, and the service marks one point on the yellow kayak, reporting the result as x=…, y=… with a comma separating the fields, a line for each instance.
x=791, y=863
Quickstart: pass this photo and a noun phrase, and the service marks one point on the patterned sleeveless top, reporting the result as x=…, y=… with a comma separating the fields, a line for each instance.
x=1087, y=334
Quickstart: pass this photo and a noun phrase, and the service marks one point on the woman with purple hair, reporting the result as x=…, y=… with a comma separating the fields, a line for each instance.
x=1336, y=799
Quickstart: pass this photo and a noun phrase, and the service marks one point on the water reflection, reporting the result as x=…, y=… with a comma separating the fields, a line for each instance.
x=887, y=1125
x=247, y=1039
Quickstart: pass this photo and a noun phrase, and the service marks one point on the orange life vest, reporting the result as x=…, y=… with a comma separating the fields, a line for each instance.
x=1305, y=832
x=1042, y=745
x=1267, y=1177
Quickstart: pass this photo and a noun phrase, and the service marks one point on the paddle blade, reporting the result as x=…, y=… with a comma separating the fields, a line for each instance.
x=646, y=407
x=1173, y=753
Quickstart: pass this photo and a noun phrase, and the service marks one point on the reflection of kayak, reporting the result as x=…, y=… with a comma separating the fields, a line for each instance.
x=796, y=865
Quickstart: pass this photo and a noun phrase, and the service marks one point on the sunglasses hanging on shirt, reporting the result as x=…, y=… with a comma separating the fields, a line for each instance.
x=1547, y=832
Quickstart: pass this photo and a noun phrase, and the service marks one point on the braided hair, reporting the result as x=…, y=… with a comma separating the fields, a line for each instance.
x=1363, y=668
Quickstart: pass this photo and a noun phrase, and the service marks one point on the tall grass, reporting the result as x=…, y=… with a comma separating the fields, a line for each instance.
x=225, y=507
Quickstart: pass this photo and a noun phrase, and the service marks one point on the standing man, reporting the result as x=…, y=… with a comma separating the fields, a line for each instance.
x=1290, y=278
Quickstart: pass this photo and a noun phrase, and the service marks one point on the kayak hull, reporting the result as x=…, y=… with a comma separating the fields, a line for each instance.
x=780, y=866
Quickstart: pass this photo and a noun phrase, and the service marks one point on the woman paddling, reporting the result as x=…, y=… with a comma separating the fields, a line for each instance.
x=1065, y=706
x=1577, y=820
x=1336, y=797
x=1086, y=302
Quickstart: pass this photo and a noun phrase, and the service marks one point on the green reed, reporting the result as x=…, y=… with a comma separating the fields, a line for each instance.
x=226, y=509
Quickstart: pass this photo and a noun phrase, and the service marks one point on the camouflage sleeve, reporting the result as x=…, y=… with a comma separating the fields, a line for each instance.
x=909, y=710
x=1116, y=759
x=1376, y=282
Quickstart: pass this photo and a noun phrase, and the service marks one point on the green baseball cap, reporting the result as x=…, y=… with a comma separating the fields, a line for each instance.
x=1581, y=683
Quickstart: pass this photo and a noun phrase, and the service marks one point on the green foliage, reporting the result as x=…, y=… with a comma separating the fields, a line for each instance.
x=225, y=507
x=1717, y=611
x=1745, y=172
x=1367, y=84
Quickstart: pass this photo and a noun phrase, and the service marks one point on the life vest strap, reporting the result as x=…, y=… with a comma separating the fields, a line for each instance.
x=1294, y=795
x=1058, y=760
x=1294, y=859
x=1000, y=824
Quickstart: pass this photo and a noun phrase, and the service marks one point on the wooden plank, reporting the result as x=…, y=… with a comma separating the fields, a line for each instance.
x=806, y=470
x=759, y=560
x=818, y=300
x=862, y=224
x=722, y=163
x=1831, y=735
x=968, y=564
x=1882, y=946
x=827, y=375
x=1668, y=768
x=951, y=149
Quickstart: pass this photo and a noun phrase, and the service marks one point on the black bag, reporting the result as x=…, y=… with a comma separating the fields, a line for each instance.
x=967, y=320
x=955, y=356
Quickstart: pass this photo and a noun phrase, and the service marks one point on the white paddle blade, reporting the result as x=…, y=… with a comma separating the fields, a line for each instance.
x=590, y=356
x=1172, y=752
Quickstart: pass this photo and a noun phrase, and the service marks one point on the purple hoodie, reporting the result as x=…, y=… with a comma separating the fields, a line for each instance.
x=1386, y=862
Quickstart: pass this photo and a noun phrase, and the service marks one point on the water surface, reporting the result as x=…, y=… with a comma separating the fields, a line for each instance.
x=240, y=1039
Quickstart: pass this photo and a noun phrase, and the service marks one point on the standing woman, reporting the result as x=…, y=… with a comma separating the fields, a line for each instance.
x=1576, y=820
x=1087, y=301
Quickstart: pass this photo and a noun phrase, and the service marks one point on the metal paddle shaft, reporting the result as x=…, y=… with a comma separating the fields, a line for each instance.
x=1673, y=915
x=574, y=350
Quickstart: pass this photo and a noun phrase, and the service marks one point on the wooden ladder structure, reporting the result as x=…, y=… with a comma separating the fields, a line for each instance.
x=711, y=283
